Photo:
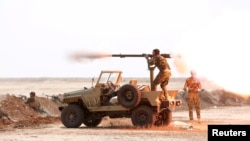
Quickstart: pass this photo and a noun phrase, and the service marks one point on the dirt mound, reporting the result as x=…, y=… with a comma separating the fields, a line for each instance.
x=15, y=113
x=215, y=98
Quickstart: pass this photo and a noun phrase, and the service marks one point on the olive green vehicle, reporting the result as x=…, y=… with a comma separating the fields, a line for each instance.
x=108, y=97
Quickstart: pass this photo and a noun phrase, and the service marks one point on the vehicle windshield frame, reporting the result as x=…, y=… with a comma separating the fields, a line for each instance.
x=106, y=76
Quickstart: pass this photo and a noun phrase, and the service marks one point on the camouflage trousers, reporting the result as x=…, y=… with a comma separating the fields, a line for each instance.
x=162, y=78
x=194, y=100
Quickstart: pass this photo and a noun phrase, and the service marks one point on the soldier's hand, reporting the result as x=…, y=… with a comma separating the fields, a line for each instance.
x=202, y=90
x=185, y=89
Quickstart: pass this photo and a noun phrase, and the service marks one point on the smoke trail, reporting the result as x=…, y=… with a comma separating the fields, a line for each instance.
x=85, y=55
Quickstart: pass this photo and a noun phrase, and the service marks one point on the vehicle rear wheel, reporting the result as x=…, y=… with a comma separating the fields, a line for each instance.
x=164, y=117
x=72, y=116
x=142, y=116
x=92, y=121
x=129, y=96
x=167, y=117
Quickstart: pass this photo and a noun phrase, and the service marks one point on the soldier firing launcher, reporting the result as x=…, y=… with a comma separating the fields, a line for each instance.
x=151, y=68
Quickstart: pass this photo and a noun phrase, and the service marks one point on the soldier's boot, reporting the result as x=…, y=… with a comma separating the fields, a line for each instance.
x=160, y=98
x=199, y=120
x=158, y=106
x=198, y=113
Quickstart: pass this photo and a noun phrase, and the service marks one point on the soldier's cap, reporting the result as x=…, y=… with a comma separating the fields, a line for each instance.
x=193, y=72
x=156, y=50
x=32, y=93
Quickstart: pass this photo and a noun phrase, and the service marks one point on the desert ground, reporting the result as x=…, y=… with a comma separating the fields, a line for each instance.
x=19, y=122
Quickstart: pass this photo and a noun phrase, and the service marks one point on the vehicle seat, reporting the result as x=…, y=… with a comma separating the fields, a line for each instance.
x=139, y=87
x=133, y=82
x=144, y=88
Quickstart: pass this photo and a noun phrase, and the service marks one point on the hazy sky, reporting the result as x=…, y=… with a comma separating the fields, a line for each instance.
x=37, y=37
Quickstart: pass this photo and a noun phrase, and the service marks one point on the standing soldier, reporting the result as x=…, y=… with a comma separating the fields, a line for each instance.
x=164, y=74
x=193, y=86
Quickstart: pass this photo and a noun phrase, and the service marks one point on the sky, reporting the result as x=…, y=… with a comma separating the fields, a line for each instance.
x=38, y=38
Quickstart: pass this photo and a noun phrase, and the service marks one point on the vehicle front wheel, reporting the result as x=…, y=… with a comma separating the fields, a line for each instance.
x=72, y=116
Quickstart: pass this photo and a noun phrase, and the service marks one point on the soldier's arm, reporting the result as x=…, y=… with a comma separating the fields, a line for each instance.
x=199, y=84
x=151, y=61
x=200, y=87
x=30, y=100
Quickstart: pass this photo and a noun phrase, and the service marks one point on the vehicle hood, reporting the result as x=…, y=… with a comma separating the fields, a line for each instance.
x=76, y=93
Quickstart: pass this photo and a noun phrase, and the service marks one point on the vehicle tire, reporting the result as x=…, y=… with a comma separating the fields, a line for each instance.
x=164, y=118
x=129, y=96
x=72, y=116
x=92, y=121
x=142, y=116
x=167, y=117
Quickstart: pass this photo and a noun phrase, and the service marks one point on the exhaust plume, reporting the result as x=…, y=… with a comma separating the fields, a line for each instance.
x=180, y=63
x=88, y=55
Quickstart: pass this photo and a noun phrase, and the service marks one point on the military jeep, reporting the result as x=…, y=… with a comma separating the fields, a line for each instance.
x=108, y=97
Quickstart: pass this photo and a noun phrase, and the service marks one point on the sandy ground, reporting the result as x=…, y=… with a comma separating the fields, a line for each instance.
x=19, y=122
x=122, y=130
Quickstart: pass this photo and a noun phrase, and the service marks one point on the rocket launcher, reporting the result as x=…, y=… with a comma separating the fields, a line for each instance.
x=139, y=55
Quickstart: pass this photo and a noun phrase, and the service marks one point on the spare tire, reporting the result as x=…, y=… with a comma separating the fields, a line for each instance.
x=129, y=96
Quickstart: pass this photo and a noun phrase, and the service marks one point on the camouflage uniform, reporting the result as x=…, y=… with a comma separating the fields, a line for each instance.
x=193, y=85
x=164, y=74
x=32, y=102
